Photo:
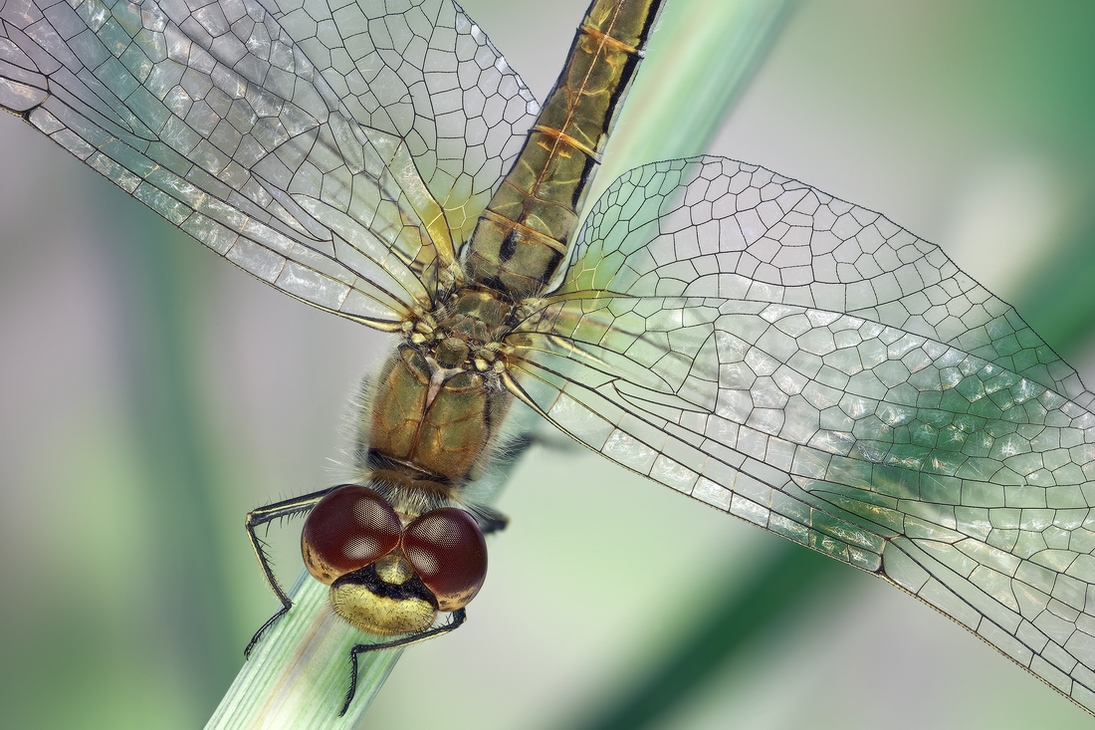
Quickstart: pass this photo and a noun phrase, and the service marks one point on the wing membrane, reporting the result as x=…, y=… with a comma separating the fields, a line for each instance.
x=425, y=73
x=215, y=117
x=809, y=366
x=716, y=227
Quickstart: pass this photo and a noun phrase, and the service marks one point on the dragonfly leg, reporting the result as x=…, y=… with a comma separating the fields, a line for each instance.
x=490, y=520
x=508, y=452
x=512, y=449
x=456, y=620
x=263, y=516
x=515, y=447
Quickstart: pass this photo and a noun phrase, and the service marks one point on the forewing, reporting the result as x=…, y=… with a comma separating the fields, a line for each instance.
x=217, y=118
x=811, y=367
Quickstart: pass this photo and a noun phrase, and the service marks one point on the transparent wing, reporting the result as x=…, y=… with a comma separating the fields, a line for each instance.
x=230, y=122
x=809, y=366
x=424, y=72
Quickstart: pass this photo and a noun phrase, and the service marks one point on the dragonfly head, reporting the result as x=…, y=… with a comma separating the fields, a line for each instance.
x=390, y=576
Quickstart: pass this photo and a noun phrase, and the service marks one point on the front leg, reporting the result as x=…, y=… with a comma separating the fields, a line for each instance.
x=265, y=515
x=456, y=620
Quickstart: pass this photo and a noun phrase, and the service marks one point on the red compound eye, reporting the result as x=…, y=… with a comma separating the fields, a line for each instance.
x=449, y=554
x=348, y=529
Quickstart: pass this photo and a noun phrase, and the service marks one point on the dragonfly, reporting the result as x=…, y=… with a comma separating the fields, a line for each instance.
x=774, y=352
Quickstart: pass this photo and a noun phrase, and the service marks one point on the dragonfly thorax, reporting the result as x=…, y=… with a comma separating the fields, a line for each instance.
x=436, y=407
x=431, y=417
x=479, y=317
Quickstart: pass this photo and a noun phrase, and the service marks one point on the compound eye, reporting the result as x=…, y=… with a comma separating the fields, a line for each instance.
x=449, y=555
x=348, y=529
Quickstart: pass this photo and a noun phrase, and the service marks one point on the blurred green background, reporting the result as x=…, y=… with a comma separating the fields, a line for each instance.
x=150, y=395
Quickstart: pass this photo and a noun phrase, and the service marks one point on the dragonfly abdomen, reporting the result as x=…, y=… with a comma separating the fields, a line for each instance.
x=524, y=233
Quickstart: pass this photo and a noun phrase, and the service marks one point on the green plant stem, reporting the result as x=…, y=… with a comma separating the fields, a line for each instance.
x=298, y=675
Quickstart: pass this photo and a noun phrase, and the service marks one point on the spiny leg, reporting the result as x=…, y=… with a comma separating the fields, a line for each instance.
x=456, y=620
x=515, y=447
x=490, y=520
x=262, y=516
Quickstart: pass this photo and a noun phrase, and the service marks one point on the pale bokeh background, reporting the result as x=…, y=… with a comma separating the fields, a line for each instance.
x=139, y=422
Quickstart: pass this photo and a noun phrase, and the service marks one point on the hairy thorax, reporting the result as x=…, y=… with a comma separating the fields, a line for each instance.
x=439, y=400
